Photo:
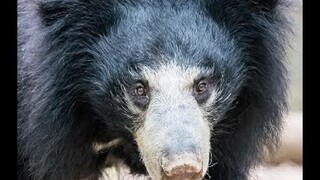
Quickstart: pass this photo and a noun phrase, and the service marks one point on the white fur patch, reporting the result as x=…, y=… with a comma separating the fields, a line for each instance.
x=171, y=78
x=98, y=147
x=121, y=172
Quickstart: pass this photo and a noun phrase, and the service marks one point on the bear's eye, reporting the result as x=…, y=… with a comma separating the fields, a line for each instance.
x=202, y=89
x=139, y=94
x=202, y=86
x=140, y=90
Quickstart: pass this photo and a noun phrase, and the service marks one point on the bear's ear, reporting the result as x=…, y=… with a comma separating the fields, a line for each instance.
x=77, y=17
x=262, y=5
x=245, y=5
x=52, y=11
x=237, y=13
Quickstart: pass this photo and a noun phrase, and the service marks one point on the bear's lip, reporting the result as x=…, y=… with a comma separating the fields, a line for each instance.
x=183, y=177
x=182, y=166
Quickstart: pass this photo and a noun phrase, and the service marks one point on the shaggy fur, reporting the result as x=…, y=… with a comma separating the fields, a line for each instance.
x=75, y=56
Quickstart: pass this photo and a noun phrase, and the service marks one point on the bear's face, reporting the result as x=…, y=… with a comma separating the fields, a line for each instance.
x=172, y=105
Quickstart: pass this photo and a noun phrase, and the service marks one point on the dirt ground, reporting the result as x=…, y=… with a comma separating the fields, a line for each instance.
x=284, y=171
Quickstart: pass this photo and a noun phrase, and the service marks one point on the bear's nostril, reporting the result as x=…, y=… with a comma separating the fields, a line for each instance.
x=187, y=166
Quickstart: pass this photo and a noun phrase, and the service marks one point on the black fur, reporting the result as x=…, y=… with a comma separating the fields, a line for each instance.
x=74, y=55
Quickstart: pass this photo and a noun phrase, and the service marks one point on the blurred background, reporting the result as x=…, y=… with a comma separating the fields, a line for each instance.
x=286, y=163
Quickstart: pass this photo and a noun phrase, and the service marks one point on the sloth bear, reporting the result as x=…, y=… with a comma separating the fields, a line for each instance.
x=170, y=89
